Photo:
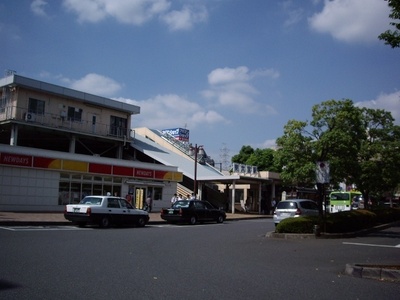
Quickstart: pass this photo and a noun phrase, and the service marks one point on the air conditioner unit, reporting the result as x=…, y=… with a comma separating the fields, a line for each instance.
x=30, y=117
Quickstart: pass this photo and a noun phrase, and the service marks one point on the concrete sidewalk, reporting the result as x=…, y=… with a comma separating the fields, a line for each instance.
x=57, y=218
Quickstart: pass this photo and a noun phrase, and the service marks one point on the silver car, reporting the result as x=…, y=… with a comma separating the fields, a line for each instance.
x=294, y=208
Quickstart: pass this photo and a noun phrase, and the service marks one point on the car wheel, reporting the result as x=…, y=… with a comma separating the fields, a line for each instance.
x=193, y=220
x=220, y=219
x=105, y=222
x=141, y=222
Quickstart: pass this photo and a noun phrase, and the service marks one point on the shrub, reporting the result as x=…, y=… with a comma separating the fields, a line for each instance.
x=348, y=221
x=341, y=222
x=296, y=225
x=386, y=215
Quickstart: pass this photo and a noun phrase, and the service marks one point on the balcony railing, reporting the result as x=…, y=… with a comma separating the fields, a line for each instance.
x=12, y=113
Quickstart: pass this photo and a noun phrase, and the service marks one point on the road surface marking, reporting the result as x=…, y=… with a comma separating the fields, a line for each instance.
x=42, y=228
x=371, y=245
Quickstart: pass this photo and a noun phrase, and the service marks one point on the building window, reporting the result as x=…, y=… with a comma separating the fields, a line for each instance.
x=74, y=187
x=36, y=106
x=74, y=114
x=5, y=99
x=118, y=126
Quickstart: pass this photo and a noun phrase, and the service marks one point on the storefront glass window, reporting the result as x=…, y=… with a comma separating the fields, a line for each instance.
x=63, y=193
x=76, y=192
x=97, y=189
x=86, y=189
x=157, y=193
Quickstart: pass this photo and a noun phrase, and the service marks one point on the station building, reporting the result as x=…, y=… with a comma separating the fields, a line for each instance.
x=58, y=145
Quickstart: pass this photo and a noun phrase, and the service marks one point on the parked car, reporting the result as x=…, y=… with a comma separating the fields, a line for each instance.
x=357, y=202
x=294, y=208
x=192, y=211
x=390, y=204
x=105, y=211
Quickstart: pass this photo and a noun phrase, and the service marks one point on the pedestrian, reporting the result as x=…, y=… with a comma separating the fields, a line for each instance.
x=263, y=204
x=193, y=197
x=148, y=204
x=174, y=199
x=180, y=197
x=273, y=204
x=248, y=204
x=128, y=198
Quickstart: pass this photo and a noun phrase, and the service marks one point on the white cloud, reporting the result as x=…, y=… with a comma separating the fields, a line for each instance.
x=185, y=19
x=125, y=11
x=388, y=102
x=165, y=111
x=228, y=75
x=95, y=84
x=352, y=20
x=38, y=6
x=294, y=14
x=233, y=88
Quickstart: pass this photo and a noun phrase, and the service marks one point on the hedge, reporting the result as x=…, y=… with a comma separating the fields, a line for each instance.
x=341, y=222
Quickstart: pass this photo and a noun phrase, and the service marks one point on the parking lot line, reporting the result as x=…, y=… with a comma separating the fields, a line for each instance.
x=42, y=228
x=372, y=245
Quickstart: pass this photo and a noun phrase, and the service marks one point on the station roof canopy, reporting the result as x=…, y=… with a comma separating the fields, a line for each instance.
x=185, y=164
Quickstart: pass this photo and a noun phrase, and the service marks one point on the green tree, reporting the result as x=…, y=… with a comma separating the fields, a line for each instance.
x=295, y=155
x=337, y=132
x=362, y=147
x=243, y=156
x=333, y=135
x=379, y=156
x=390, y=37
x=262, y=158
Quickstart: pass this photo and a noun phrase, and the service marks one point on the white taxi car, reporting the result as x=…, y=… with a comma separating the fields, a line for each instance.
x=105, y=211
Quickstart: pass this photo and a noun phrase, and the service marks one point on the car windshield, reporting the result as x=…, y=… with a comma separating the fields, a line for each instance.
x=182, y=203
x=287, y=205
x=91, y=200
x=339, y=196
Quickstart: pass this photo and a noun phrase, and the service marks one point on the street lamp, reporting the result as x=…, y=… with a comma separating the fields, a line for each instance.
x=194, y=151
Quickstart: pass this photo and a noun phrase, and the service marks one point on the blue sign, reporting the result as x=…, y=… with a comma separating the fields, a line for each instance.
x=181, y=134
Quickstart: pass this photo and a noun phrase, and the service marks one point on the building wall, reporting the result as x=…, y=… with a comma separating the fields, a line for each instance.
x=39, y=190
x=56, y=110
x=28, y=189
x=43, y=180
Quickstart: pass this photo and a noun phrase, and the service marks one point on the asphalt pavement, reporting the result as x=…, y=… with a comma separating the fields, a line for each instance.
x=387, y=272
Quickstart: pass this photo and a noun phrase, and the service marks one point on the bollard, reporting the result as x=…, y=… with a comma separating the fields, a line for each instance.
x=317, y=230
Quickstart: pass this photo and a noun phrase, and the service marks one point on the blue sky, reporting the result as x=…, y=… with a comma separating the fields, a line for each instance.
x=233, y=72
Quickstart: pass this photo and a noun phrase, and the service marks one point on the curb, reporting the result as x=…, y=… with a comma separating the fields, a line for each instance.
x=290, y=236
x=378, y=272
